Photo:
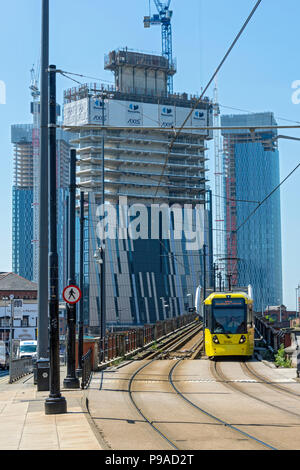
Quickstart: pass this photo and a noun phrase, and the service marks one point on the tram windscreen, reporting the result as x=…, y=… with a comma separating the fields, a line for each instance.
x=229, y=316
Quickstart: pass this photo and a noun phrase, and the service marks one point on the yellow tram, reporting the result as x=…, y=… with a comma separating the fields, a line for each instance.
x=229, y=329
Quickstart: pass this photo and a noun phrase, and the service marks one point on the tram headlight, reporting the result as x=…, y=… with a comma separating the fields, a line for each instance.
x=215, y=340
x=242, y=339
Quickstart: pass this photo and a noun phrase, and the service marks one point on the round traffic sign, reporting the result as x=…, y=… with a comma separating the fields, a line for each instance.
x=71, y=294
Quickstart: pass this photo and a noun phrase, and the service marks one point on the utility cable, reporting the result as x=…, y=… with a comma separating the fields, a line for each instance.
x=265, y=199
x=207, y=86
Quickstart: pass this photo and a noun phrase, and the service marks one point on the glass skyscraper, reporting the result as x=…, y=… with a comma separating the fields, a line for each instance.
x=22, y=216
x=253, y=246
x=25, y=138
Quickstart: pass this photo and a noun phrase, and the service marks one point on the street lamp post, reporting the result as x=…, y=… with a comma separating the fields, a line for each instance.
x=220, y=281
x=55, y=403
x=80, y=329
x=204, y=271
x=5, y=298
x=43, y=339
x=100, y=255
x=71, y=381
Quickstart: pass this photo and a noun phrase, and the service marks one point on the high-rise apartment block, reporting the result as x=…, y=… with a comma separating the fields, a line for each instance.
x=22, y=193
x=25, y=239
x=253, y=249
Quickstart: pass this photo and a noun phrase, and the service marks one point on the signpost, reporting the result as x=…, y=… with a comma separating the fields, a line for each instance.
x=71, y=294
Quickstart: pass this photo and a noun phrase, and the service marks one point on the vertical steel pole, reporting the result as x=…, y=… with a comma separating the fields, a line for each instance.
x=80, y=329
x=220, y=281
x=55, y=403
x=71, y=381
x=11, y=334
x=42, y=339
x=204, y=271
x=215, y=269
x=102, y=249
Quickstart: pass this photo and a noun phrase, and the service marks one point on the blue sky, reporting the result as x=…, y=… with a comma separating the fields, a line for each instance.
x=257, y=76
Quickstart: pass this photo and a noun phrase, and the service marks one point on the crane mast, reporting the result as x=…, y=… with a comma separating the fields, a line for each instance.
x=164, y=19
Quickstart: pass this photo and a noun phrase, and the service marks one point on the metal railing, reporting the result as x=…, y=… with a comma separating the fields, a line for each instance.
x=273, y=337
x=19, y=368
x=118, y=344
x=86, y=369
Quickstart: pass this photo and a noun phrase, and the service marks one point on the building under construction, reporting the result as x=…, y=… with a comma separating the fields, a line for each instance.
x=147, y=279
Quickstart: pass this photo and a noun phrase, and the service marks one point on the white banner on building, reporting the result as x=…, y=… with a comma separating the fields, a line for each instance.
x=199, y=119
x=96, y=111
x=120, y=113
x=76, y=113
x=133, y=114
x=167, y=116
x=24, y=333
x=18, y=309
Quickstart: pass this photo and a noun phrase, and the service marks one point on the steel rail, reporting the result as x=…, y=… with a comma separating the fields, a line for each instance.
x=186, y=334
x=191, y=353
x=140, y=411
x=219, y=420
x=235, y=386
x=265, y=381
x=182, y=340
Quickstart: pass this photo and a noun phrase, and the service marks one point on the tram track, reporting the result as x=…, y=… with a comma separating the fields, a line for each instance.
x=160, y=425
x=172, y=344
x=168, y=348
x=139, y=410
x=219, y=375
x=219, y=420
x=182, y=396
x=265, y=381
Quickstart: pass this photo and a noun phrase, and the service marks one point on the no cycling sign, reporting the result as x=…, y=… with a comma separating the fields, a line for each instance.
x=71, y=294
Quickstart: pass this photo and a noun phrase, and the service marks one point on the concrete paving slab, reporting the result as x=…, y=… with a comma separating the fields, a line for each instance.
x=24, y=425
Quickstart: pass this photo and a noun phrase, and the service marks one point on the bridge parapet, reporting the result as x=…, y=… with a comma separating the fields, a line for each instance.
x=119, y=344
x=272, y=335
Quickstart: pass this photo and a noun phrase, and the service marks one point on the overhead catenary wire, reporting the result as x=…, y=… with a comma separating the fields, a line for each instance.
x=65, y=73
x=265, y=199
x=208, y=85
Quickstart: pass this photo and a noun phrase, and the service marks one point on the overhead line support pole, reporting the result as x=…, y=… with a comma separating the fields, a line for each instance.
x=42, y=339
x=55, y=403
x=71, y=381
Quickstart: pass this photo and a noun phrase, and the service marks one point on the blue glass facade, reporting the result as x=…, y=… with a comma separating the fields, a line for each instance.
x=25, y=206
x=22, y=232
x=253, y=249
x=146, y=279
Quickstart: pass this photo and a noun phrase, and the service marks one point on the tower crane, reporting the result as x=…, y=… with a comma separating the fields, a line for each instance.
x=164, y=19
x=34, y=83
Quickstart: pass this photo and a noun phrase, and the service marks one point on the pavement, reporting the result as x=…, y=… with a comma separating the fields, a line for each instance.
x=24, y=425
